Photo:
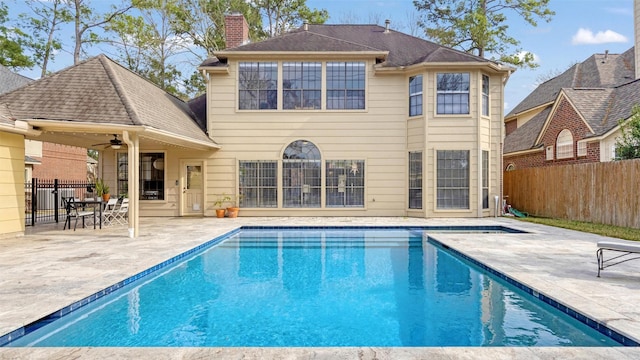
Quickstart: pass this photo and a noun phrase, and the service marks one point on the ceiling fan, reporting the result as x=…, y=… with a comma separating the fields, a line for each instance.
x=114, y=143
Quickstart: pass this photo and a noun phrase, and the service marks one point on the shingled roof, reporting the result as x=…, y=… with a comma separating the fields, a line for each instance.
x=597, y=71
x=397, y=49
x=10, y=80
x=100, y=91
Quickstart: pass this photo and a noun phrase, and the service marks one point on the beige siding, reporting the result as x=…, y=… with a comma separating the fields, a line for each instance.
x=382, y=135
x=12, y=192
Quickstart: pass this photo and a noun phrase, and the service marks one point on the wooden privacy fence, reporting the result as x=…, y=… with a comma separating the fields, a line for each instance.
x=606, y=193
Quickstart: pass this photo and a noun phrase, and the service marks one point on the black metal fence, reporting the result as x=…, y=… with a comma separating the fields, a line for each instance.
x=43, y=198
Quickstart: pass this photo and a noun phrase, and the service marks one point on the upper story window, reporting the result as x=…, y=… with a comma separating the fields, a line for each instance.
x=564, y=145
x=301, y=85
x=258, y=85
x=415, y=95
x=453, y=93
x=485, y=95
x=345, y=85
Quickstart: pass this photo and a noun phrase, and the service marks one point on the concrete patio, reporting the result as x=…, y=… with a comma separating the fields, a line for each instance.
x=49, y=268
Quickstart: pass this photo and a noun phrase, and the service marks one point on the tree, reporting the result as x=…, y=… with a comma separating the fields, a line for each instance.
x=12, y=44
x=479, y=26
x=44, y=22
x=628, y=145
x=86, y=20
x=283, y=15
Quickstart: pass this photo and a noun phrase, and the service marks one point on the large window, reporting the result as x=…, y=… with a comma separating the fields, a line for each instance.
x=452, y=179
x=453, y=93
x=152, y=182
x=345, y=183
x=258, y=85
x=415, y=180
x=485, y=95
x=259, y=184
x=301, y=85
x=564, y=145
x=485, y=179
x=415, y=95
x=345, y=85
x=301, y=175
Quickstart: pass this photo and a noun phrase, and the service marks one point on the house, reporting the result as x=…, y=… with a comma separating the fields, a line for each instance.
x=574, y=117
x=354, y=120
x=326, y=120
x=46, y=160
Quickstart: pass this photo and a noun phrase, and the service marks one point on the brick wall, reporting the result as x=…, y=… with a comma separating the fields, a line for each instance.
x=62, y=162
x=510, y=127
x=236, y=30
x=565, y=117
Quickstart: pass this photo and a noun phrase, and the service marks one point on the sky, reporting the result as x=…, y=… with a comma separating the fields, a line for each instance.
x=579, y=29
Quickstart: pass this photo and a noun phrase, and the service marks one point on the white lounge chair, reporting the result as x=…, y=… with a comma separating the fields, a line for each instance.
x=630, y=251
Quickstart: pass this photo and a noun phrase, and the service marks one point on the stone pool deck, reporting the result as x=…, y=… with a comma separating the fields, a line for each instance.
x=50, y=268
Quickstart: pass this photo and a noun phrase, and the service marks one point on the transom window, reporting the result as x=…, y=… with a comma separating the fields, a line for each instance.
x=564, y=145
x=345, y=85
x=258, y=85
x=485, y=95
x=301, y=175
x=301, y=85
x=415, y=95
x=452, y=179
x=453, y=93
x=259, y=184
x=345, y=183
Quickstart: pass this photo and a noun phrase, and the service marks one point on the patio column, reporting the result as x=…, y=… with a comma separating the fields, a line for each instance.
x=133, y=146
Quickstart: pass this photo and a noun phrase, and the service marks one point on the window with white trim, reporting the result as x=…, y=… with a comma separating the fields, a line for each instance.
x=415, y=180
x=258, y=85
x=485, y=95
x=564, y=145
x=301, y=175
x=345, y=85
x=152, y=175
x=453, y=93
x=549, y=153
x=485, y=179
x=582, y=148
x=301, y=85
x=258, y=184
x=415, y=95
x=345, y=183
x=452, y=172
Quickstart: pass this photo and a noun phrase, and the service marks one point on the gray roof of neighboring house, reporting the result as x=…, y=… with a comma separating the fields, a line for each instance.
x=10, y=80
x=524, y=137
x=597, y=71
x=403, y=49
x=101, y=91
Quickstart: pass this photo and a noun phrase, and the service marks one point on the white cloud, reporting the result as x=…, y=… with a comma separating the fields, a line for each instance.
x=522, y=54
x=586, y=36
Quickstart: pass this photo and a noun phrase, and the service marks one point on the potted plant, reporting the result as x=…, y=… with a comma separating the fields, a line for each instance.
x=219, y=204
x=102, y=189
x=232, y=211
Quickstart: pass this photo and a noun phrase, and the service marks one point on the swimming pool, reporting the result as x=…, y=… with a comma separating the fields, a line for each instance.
x=324, y=287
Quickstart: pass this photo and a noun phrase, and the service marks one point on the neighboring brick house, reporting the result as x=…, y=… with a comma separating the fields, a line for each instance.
x=574, y=117
x=46, y=160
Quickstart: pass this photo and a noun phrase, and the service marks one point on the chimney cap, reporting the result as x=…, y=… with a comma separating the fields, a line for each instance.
x=305, y=25
x=386, y=25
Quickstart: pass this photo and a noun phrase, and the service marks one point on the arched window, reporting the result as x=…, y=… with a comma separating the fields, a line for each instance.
x=301, y=175
x=511, y=167
x=564, y=145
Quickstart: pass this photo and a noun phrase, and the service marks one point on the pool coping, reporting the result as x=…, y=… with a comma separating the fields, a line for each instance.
x=625, y=340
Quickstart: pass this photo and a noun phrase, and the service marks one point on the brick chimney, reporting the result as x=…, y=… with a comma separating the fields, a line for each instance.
x=236, y=30
x=636, y=26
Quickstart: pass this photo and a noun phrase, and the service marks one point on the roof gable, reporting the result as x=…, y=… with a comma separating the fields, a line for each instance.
x=101, y=91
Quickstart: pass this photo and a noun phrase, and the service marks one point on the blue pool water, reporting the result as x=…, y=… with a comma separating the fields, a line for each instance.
x=318, y=288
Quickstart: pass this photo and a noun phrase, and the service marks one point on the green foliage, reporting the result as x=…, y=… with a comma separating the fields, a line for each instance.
x=101, y=187
x=283, y=15
x=221, y=201
x=479, y=27
x=12, y=44
x=628, y=145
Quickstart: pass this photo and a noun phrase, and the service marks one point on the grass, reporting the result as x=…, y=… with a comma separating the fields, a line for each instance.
x=600, y=229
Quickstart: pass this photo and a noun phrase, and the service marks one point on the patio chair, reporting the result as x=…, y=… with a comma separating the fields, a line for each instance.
x=121, y=214
x=74, y=211
x=630, y=251
x=109, y=211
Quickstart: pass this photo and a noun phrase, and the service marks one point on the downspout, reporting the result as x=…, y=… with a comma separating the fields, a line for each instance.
x=133, y=151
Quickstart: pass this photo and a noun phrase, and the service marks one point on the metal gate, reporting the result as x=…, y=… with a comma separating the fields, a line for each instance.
x=43, y=198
